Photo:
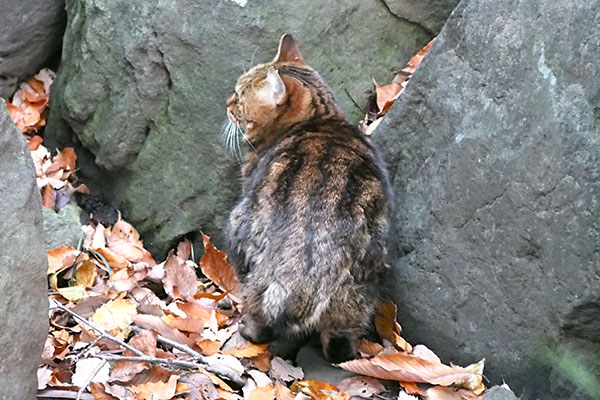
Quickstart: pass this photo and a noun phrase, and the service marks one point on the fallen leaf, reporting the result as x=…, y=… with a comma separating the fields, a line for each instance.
x=61, y=258
x=362, y=386
x=282, y=392
x=86, y=274
x=388, y=328
x=34, y=142
x=116, y=316
x=162, y=328
x=180, y=279
x=84, y=369
x=284, y=371
x=215, y=267
x=263, y=393
x=248, y=350
x=201, y=387
x=72, y=293
x=144, y=341
x=409, y=368
x=156, y=390
x=209, y=347
x=262, y=362
x=99, y=392
x=368, y=348
x=318, y=390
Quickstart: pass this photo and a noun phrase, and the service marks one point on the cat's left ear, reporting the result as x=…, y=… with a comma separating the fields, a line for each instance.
x=288, y=50
x=276, y=92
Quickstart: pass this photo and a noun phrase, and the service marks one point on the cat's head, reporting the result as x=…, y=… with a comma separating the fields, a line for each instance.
x=277, y=94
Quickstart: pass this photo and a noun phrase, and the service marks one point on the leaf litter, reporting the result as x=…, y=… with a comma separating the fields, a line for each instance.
x=126, y=327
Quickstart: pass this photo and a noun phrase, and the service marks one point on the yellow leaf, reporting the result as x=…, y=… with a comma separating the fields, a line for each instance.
x=86, y=274
x=115, y=316
x=72, y=293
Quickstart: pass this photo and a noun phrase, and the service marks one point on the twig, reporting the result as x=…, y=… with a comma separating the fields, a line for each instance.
x=61, y=394
x=89, y=379
x=203, y=362
x=199, y=357
x=173, y=363
x=179, y=346
x=98, y=329
x=354, y=101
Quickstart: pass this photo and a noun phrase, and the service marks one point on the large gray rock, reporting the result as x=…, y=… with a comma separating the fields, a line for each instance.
x=143, y=87
x=430, y=14
x=62, y=228
x=30, y=37
x=23, y=266
x=494, y=153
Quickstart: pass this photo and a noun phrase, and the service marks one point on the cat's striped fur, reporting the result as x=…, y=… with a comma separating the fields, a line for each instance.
x=308, y=238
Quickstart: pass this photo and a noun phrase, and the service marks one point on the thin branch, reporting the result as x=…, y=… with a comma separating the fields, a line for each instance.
x=354, y=101
x=179, y=346
x=202, y=361
x=173, y=363
x=89, y=379
x=54, y=394
x=98, y=329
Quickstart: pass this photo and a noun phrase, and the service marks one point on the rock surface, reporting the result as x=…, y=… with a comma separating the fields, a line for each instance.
x=143, y=86
x=430, y=14
x=23, y=266
x=31, y=34
x=62, y=228
x=494, y=153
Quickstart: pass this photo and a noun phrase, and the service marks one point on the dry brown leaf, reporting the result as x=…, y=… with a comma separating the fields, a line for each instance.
x=284, y=371
x=191, y=325
x=48, y=196
x=388, y=328
x=411, y=388
x=34, y=142
x=248, y=350
x=409, y=368
x=156, y=390
x=282, y=392
x=318, y=390
x=209, y=347
x=363, y=386
x=201, y=387
x=114, y=260
x=215, y=267
x=161, y=327
x=263, y=393
x=180, y=279
x=61, y=258
x=368, y=348
x=99, y=392
x=144, y=341
x=195, y=310
x=262, y=362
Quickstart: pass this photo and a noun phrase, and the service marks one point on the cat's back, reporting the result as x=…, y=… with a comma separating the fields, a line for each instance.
x=320, y=193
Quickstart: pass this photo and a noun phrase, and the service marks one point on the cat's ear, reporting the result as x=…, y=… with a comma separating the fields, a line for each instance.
x=288, y=50
x=276, y=92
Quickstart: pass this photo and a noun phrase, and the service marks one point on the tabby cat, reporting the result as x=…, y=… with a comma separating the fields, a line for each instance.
x=308, y=238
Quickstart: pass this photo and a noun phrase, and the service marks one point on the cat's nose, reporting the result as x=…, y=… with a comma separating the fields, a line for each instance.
x=231, y=99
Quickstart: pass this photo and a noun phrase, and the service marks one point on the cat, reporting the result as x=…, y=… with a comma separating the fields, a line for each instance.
x=308, y=238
